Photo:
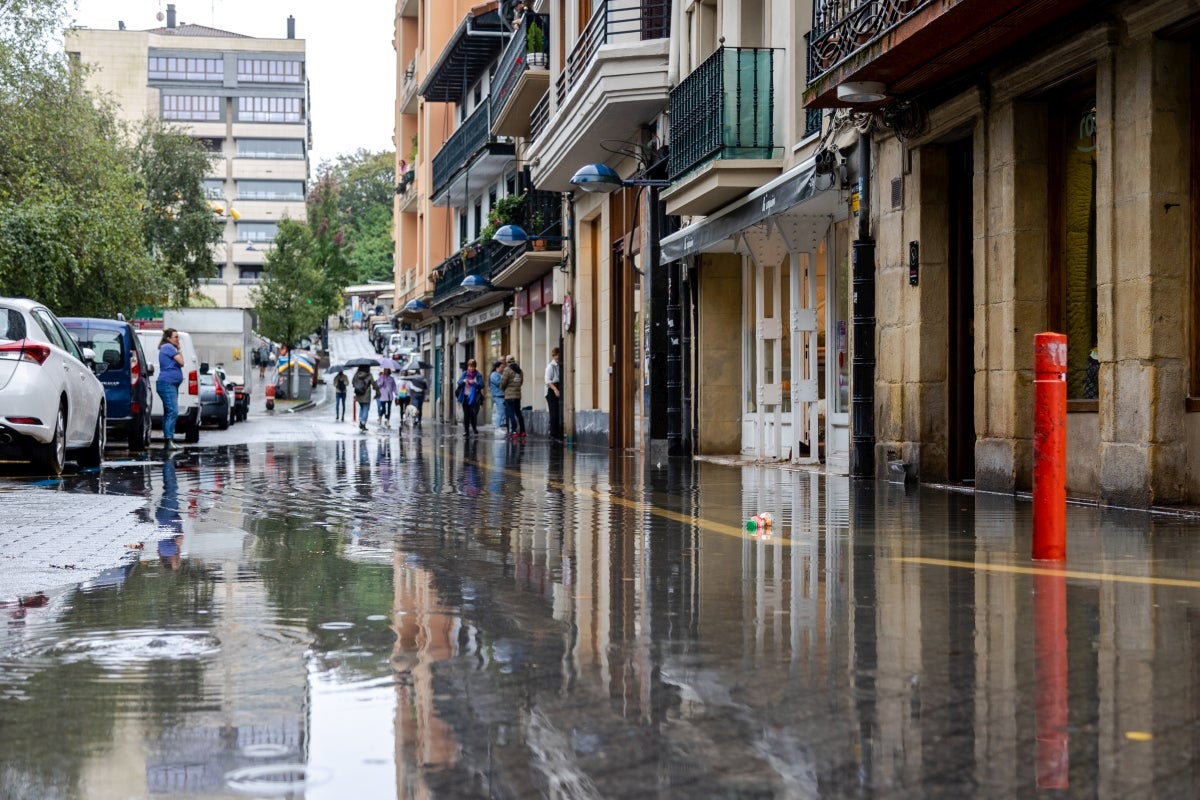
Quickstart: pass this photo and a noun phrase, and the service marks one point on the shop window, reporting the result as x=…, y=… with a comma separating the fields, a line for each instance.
x=1072, y=239
x=1194, y=297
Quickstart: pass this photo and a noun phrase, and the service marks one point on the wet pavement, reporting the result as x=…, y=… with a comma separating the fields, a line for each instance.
x=323, y=614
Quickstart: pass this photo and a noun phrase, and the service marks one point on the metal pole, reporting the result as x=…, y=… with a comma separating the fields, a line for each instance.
x=1050, y=446
x=862, y=374
x=657, y=276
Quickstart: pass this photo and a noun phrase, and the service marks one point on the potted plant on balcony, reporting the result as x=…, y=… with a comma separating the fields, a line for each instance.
x=535, y=46
x=537, y=226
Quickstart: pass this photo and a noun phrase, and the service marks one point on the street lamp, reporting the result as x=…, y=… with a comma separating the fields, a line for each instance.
x=666, y=339
x=476, y=282
x=416, y=306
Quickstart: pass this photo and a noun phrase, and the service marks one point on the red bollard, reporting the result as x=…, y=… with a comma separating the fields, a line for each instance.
x=1050, y=677
x=1050, y=446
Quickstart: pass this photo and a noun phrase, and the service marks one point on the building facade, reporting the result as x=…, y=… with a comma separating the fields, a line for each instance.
x=245, y=98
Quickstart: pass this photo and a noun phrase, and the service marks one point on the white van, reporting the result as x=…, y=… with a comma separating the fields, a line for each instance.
x=402, y=342
x=189, y=391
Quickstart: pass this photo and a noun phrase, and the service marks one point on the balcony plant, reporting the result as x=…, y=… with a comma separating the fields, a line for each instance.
x=535, y=44
x=537, y=227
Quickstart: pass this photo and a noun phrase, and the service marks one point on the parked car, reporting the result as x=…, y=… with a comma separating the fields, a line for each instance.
x=214, y=400
x=51, y=401
x=189, y=391
x=239, y=398
x=128, y=390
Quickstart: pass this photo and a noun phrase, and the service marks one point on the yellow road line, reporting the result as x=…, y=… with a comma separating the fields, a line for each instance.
x=646, y=508
x=1066, y=573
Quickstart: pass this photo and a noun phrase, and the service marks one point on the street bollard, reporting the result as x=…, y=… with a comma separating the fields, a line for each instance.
x=1049, y=447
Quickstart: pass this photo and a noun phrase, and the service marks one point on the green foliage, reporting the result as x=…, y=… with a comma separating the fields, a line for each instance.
x=69, y=219
x=364, y=184
x=179, y=228
x=290, y=281
x=534, y=38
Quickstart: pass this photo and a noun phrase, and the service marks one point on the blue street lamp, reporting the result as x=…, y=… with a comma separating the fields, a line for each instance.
x=476, y=282
x=416, y=306
x=603, y=179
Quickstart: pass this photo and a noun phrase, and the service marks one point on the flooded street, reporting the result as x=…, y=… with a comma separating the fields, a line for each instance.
x=400, y=616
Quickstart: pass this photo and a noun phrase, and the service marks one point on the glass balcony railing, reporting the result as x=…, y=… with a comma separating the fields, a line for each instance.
x=725, y=109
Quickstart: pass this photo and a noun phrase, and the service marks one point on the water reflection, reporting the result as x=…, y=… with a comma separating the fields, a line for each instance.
x=418, y=616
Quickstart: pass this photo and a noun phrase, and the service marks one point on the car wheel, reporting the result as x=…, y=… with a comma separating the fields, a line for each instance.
x=93, y=454
x=191, y=433
x=223, y=422
x=52, y=456
x=139, y=434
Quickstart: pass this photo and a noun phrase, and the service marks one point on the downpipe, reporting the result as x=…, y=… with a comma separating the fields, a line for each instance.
x=862, y=363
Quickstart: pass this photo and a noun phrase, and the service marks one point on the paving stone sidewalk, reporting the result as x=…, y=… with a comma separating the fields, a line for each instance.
x=50, y=539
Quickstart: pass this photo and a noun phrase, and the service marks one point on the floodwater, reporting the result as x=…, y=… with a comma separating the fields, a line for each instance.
x=394, y=617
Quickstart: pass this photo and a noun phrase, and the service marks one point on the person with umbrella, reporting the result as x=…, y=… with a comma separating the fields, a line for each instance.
x=385, y=393
x=511, y=382
x=340, y=384
x=364, y=385
x=417, y=389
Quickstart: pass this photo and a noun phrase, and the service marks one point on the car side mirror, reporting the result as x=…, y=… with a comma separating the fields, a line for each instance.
x=89, y=358
x=149, y=370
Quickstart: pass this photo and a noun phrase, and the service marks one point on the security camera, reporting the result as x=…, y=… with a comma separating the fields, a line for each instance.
x=512, y=312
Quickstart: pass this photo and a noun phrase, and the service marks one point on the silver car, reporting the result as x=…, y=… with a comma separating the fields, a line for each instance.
x=50, y=398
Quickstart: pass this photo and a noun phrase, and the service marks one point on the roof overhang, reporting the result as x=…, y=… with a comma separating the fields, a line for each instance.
x=475, y=44
x=527, y=268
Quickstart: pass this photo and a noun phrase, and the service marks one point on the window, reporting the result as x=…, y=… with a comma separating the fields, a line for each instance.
x=196, y=108
x=250, y=272
x=214, y=188
x=256, y=231
x=270, y=148
x=270, y=109
x=1072, y=238
x=177, y=68
x=211, y=144
x=264, y=70
x=270, y=190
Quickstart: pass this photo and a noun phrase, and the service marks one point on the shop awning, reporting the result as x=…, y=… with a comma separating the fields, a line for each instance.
x=797, y=192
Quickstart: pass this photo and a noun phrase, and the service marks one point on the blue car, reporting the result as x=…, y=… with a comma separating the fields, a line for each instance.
x=128, y=390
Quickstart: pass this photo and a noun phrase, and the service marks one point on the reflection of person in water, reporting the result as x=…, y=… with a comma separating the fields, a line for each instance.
x=168, y=519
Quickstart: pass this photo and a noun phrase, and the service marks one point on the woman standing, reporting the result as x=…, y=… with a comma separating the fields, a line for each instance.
x=511, y=382
x=497, y=395
x=385, y=394
x=469, y=394
x=170, y=375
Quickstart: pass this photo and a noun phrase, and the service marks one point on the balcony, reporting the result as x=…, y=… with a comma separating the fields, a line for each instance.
x=522, y=79
x=408, y=191
x=472, y=48
x=614, y=80
x=472, y=156
x=542, y=220
x=407, y=8
x=448, y=291
x=912, y=46
x=723, y=130
x=408, y=89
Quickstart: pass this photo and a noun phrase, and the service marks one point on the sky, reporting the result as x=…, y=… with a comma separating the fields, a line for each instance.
x=351, y=63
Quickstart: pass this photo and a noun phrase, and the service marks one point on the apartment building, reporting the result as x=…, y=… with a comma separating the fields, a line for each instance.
x=245, y=98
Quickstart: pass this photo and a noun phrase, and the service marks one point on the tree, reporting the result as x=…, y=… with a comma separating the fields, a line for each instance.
x=366, y=184
x=284, y=298
x=331, y=248
x=179, y=228
x=69, y=219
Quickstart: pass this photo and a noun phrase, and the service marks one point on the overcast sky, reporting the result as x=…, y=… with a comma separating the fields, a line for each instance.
x=351, y=64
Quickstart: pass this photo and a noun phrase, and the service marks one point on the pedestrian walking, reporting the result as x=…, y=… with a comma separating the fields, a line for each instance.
x=363, y=384
x=385, y=393
x=402, y=400
x=469, y=393
x=511, y=382
x=418, y=388
x=340, y=384
x=170, y=375
x=554, y=395
x=497, y=396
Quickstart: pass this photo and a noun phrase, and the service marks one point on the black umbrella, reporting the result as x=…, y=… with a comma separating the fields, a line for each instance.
x=362, y=362
x=332, y=368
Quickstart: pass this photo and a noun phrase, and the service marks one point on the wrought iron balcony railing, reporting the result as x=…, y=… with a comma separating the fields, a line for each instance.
x=517, y=58
x=468, y=140
x=484, y=260
x=842, y=27
x=613, y=21
x=724, y=109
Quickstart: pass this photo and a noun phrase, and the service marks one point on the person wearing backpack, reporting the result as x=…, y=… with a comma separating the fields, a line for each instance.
x=340, y=384
x=511, y=382
x=364, y=386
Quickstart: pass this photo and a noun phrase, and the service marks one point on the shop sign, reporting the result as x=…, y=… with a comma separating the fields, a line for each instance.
x=485, y=315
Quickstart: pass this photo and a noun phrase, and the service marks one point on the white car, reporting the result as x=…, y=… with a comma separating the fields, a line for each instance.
x=50, y=399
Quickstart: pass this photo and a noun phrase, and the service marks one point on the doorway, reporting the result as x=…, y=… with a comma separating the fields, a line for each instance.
x=961, y=286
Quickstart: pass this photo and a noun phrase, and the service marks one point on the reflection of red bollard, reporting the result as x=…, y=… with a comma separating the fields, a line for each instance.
x=1050, y=446
x=1050, y=679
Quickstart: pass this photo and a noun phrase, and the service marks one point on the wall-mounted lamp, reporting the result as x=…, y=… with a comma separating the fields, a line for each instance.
x=515, y=236
x=416, y=305
x=603, y=179
x=862, y=92
x=476, y=282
